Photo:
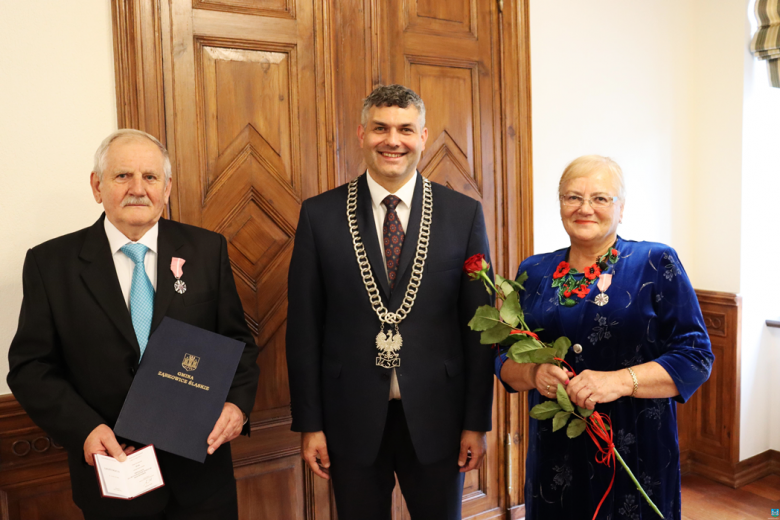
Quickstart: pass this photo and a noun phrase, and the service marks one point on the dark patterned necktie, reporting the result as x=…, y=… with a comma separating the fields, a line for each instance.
x=393, y=237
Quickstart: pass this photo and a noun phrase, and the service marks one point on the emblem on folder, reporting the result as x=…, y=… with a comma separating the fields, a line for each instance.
x=190, y=362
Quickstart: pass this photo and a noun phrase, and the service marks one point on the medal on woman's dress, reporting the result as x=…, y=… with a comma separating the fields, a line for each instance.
x=601, y=299
x=176, y=266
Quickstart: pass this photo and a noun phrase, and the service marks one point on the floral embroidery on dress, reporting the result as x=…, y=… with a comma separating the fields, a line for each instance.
x=601, y=330
x=656, y=411
x=630, y=508
x=636, y=359
x=623, y=441
x=659, y=297
x=672, y=269
x=704, y=368
x=563, y=475
x=648, y=483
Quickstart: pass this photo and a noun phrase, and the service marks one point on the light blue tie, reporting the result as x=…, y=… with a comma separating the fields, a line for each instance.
x=141, y=294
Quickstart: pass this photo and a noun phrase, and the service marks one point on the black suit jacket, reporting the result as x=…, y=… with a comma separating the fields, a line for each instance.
x=75, y=352
x=445, y=376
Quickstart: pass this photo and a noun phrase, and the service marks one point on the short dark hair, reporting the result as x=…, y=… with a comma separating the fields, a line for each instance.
x=392, y=96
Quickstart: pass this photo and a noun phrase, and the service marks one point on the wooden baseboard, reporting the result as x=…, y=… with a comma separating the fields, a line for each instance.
x=517, y=513
x=736, y=475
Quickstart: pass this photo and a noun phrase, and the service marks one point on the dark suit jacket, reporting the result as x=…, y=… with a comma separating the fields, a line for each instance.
x=75, y=353
x=445, y=375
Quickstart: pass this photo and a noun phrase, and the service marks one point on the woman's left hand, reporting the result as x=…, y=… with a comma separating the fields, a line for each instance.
x=590, y=387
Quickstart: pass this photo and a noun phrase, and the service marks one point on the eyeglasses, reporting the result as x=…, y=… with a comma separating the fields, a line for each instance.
x=597, y=202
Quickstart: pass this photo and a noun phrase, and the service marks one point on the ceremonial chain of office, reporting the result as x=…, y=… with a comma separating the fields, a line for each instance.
x=389, y=345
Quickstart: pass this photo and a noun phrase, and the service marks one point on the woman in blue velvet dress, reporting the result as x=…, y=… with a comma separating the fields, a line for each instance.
x=639, y=346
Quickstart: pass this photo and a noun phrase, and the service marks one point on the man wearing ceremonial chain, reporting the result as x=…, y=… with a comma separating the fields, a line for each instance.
x=385, y=376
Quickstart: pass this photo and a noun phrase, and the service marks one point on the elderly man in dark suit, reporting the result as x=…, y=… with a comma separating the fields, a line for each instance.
x=91, y=300
x=385, y=376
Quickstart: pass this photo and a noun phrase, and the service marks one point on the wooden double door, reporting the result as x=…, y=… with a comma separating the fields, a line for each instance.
x=259, y=101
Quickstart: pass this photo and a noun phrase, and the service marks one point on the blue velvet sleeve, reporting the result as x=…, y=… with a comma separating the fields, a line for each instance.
x=687, y=354
x=499, y=364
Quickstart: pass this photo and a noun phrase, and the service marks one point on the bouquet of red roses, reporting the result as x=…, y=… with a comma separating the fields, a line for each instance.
x=505, y=326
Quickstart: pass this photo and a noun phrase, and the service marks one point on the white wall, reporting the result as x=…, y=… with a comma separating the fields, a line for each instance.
x=760, y=251
x=51, y=121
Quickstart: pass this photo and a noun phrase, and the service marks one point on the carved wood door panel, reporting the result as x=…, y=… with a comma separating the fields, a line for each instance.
x=242, y=88
x=258, y=102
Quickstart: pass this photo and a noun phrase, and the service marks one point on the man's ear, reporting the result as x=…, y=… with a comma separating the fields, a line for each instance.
x=361, y=133
x=168, y=190
x=424, y=136
x=94, y=182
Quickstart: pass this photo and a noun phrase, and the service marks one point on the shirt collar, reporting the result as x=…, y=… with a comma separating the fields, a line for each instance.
x=405, y=193
x=117, y=239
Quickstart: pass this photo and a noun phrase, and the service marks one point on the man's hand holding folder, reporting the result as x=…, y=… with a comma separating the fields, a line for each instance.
x=228, y=427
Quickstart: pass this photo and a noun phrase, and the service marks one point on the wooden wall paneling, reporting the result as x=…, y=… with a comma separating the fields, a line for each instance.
x=138, y=66
x=352, y=43
x=518, y=216
x=249, y=99
x=271, y=490
x=708, y=424
x=34, y=479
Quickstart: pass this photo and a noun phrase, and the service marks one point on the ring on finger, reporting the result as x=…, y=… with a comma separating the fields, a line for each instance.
x=590, y=398
x=548, y=389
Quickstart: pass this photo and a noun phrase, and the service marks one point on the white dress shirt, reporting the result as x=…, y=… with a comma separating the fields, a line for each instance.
x=403, y=209
x=124, y=265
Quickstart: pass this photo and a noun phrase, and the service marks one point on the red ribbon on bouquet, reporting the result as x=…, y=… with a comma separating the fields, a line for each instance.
x=606, y=454
x=598, y=431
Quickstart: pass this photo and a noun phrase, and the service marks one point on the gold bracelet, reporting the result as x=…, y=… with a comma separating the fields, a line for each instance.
x=636, y=383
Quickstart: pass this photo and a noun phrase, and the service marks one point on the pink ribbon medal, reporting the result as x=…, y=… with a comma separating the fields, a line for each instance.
x=176, y=269
x=605, y=280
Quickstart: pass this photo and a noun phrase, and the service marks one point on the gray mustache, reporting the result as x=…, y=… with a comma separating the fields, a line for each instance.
x=136, y=200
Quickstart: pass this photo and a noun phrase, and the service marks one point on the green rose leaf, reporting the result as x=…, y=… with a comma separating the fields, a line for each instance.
x=516, y=286
x=561, y=346
x=545, y=410
x=520, y=280
x=543, y=355
x=485, y=318
x=526, y=344
x=503, y=284
x=496, y=334
x=560, y=420
x=519, y=357
x=568, y=302
x=576, y=427
x=563, y=399
x=557, y=282
x=506, y=287
x=511, y=311
x=584, y=411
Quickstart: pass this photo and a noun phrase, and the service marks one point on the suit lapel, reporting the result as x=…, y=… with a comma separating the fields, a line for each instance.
x=100, y=278
x=410, y=240
x=368, y=232
x=169, y=242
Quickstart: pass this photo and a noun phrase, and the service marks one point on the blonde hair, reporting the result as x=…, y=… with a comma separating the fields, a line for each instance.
x=587, y=164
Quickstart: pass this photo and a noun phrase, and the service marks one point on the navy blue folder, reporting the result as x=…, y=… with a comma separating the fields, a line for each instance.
x=179, y=389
